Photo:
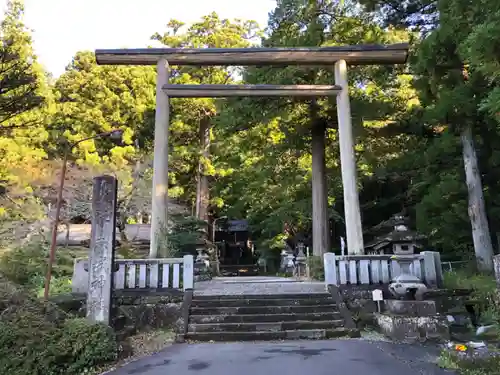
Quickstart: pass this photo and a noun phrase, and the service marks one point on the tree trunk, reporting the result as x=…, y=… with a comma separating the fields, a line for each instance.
x=203, y=191
x=321, y=234
x=477, y=212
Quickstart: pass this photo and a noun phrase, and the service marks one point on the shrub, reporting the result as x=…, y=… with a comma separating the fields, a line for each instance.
x=41, y=339
x=484, y=292
x=87, y=345
x=316, y=268
x=26, y=265
x=469, y=365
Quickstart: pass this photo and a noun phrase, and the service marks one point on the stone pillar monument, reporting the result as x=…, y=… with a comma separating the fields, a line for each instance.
x=101, y=257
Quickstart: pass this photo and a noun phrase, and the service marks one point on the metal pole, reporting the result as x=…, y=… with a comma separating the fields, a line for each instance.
x=213, y=231
x=52, y=251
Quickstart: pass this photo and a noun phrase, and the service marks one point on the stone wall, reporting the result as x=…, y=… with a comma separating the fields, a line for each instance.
x=410, y=329
x=133, y=310
x=359, y=297
x=359, y=300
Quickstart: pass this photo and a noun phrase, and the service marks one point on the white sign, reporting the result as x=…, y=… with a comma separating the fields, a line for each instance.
x=377, y=295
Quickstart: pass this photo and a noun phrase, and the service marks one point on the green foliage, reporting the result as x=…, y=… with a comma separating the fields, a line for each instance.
x=24, y=104
x=88, y=344
x=464, y=365
x=316, y=268
x=186, y=114
x=485, y=292
x=406, y=123
x=26, y=265
x=185, y=233
x=35, y=339
x=267, y=155
x=20, y=75
x=92, y=99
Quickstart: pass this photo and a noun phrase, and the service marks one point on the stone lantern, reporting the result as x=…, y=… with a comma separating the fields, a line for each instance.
x=399, y=241
x=300, y=261
x=406, y=285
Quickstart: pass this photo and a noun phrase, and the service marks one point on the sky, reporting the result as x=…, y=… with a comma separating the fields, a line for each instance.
x=63, y=27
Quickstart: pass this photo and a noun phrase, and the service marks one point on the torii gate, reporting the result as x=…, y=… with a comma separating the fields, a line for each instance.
x=326, y=56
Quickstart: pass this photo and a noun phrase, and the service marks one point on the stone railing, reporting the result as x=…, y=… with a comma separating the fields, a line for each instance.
x=168, y=273
x=381, y=269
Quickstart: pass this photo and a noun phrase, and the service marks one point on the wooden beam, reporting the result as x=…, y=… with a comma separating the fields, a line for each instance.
x=224, y=91
x=353, y=55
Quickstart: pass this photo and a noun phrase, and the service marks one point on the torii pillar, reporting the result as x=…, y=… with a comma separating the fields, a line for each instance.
x=159, y=211
x=354, y=231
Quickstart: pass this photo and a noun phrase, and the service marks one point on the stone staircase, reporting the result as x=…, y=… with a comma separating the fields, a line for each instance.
x=265, y=317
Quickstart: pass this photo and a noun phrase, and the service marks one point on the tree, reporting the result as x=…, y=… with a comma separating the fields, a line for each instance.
x=191, y=124
x=456, y=94
x=269, y=157
x=21, y=88
x=92, y=99
x=24, y=98
x=414, y=14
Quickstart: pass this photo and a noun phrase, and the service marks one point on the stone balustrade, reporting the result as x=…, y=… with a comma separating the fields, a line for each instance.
x=167, y=273
x=381, y=269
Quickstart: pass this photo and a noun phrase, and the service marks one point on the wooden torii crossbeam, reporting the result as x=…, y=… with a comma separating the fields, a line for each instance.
x=339, y=57
x=353, y=55
x=224, y=91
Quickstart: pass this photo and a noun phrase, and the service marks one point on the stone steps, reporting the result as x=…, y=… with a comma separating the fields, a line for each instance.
x=265, y=317
x=263, y=302
x=261, y=309
x=288, y=296
x=267, y=326
x=315, y=334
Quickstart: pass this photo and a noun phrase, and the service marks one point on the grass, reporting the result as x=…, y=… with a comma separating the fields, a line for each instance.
x=484, y=292
x=467, y=366
x=486, y=297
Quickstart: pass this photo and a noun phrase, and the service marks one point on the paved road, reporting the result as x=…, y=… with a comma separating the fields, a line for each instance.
x=332, y=357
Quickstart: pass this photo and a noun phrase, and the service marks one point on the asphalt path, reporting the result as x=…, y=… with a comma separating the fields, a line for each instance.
x=325, y=357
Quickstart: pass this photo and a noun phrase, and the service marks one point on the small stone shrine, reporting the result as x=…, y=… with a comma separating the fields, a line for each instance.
x=399, y=241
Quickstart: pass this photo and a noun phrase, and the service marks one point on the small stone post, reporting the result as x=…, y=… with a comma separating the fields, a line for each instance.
x=101, y=259
x=188, y=272
x=330, y=269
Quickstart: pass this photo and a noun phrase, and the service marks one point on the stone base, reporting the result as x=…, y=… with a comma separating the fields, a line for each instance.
x=203, y=277
x=412, y=328
x=410, y=308
x=202, y=272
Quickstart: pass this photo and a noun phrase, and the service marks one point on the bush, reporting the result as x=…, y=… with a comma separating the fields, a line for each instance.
x=39, y=339
x=316, y=268
x=484, y=292
x=468, y=365
x=26, y=265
